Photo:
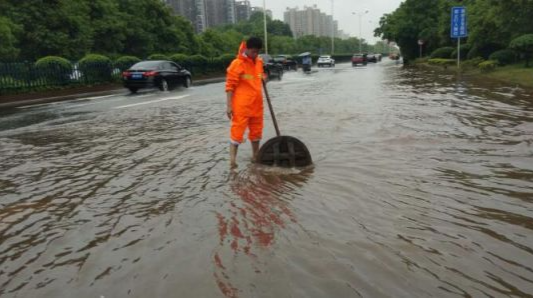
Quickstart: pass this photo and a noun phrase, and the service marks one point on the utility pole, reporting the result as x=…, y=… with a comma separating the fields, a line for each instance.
x=265, y=25
x=332, y=28
x=360, y=14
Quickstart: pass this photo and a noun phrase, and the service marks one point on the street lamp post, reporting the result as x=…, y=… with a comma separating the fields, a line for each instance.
x=360, y=14
x=265, y=26
x=332, y=29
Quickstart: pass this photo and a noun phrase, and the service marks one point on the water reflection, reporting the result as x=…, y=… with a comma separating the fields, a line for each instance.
x=259, y=210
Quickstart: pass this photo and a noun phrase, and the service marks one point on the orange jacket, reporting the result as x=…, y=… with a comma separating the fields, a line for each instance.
x=244, y=80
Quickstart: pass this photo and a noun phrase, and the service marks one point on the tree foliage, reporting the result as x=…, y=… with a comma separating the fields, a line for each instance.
x=31, y=29
x=493, y=24
x=524, y=45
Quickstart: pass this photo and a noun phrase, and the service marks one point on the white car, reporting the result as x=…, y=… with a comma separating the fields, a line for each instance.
x=326, y=60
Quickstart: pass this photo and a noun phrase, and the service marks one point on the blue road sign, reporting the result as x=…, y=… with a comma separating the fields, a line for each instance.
x=459, y=25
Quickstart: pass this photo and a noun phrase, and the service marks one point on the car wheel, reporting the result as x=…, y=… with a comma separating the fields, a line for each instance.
x=188, y=82
x=133, y=90
x=163, y=86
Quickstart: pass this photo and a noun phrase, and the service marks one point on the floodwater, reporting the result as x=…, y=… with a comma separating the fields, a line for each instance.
x=422, y=187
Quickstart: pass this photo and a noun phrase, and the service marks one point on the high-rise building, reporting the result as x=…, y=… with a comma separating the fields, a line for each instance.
x=260, y=9
x=310, y=21
x=205, y=13
x=243, y=10
x=193, y=10
x=220, y=12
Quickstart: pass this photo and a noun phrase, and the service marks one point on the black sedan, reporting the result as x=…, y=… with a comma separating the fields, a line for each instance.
x=287, y=61
x=271, y=68
x=164, y=75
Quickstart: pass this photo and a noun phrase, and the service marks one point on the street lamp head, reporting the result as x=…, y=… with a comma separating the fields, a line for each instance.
x=361, y=13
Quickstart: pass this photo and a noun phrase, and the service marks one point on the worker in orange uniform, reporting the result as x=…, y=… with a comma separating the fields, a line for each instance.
x=245, y=97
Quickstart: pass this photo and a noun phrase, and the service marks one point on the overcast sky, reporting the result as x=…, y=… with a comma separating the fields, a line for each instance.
x=342, y=12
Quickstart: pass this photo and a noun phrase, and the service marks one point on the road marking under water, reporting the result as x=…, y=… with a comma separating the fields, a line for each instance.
x=149, y=102
x=64, y=101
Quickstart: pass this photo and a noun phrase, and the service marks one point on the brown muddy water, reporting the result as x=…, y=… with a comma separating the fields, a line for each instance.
x=422, y=187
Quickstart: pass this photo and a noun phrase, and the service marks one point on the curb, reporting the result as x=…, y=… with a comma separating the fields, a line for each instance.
x=15, y=104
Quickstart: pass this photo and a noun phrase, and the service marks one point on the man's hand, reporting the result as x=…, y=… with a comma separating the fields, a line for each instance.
x=229, y=112
x=229, y=109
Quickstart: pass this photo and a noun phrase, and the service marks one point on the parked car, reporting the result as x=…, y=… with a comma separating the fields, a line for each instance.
x=394, y=56
x=359, y=59
x=379, y=56
x=271, y=68
x=287, y=61
x=164, y=75
x=372, y=58
x=325, y=60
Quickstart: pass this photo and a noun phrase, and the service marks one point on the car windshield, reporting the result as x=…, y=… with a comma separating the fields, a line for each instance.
x=148, y=65
x=324, y=57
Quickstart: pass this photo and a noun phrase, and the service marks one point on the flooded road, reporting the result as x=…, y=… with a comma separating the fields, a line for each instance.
x=422, y=187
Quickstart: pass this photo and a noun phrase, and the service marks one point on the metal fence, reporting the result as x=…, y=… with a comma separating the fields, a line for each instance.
x=21, y=77
x=26, y=76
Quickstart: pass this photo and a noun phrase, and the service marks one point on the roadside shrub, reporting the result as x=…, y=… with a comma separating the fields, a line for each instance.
x=464, y=52
x=96, y=68
x=442, y=62
x=444, y=53
x=199, y=63
x=504, y=57
x=158, y=57
x=226, y=60
x=524, y=45
x=55, y=70
x=473, y=63
x=126, y=62
x=180, y=59
x=474, y=53
x=488, y=65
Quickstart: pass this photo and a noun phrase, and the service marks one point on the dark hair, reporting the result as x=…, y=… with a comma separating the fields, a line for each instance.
x=254, y=43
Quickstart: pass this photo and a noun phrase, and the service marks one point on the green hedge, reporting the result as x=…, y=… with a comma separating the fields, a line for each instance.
x=26, y=77
x=53, y=69
x=158, y=57
x=181, y=59
x=488, y=65
x=96, y=68
x=473, y=63
x=465, y=49
x=504, y=57
x=126, y=62
x=199, y=64
x=441, y=61
x=443, y=53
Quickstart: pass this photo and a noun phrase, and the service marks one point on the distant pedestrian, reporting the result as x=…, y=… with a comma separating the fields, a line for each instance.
x=306, y=63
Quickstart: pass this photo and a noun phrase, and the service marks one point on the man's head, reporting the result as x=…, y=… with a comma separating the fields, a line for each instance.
x=253, y=46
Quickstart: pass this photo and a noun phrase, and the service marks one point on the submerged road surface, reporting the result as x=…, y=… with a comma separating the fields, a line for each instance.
x=422, y=187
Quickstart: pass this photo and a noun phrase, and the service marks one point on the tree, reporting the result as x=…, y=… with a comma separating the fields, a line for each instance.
x=524, y=45
x=8, y=40
x=58, y=28
x=412, y=21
